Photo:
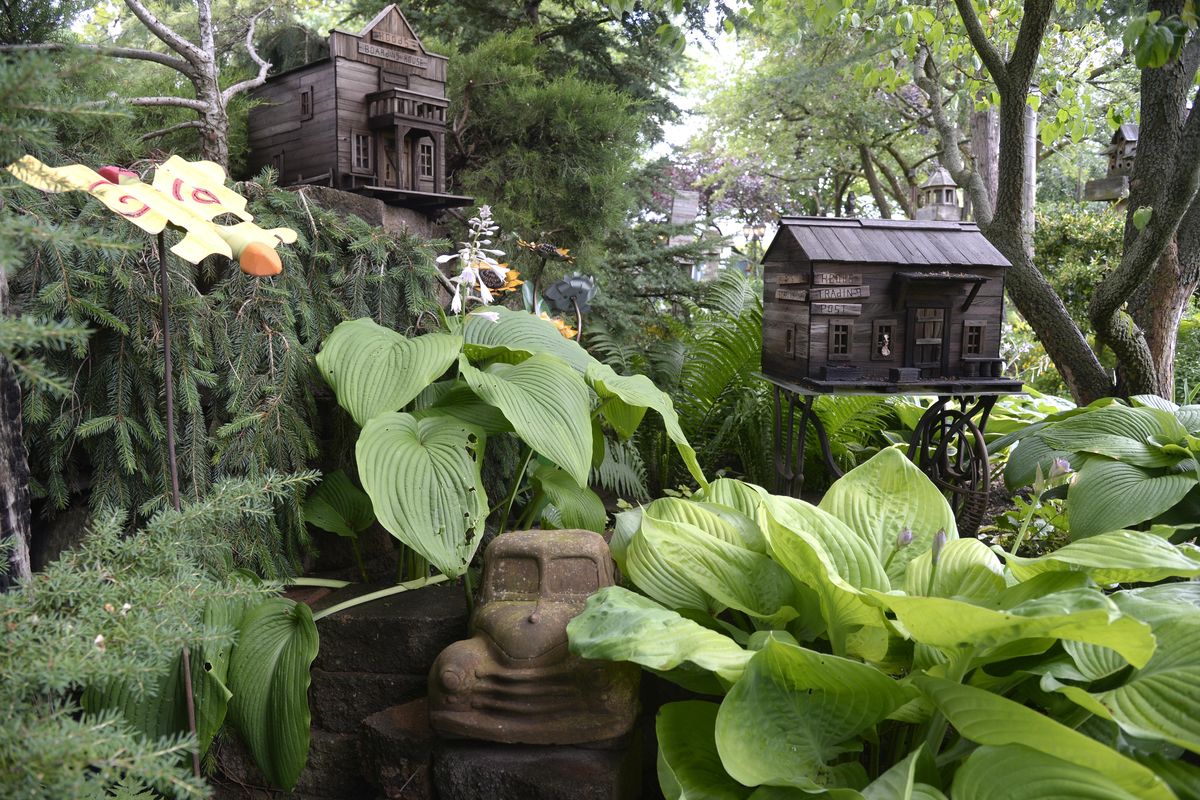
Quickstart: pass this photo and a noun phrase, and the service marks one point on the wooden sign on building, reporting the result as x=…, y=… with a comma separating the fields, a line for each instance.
x=370, y=118
x=887, y=305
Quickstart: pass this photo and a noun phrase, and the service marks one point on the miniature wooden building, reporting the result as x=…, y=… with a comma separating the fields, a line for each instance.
x=370, y=118
x=1121, y=153
x=937, y=198
x=883, y=306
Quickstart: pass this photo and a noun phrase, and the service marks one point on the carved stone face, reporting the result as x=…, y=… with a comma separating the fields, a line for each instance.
x=515, y=680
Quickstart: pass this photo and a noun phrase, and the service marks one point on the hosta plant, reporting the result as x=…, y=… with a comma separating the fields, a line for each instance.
x=427, y=406
x=861, y=650
x=1135, y=463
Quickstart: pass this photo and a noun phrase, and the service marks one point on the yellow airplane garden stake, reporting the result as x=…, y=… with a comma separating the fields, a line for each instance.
x=186, y=196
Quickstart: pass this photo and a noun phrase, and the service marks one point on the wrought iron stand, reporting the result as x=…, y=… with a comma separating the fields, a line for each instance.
x=947, y=445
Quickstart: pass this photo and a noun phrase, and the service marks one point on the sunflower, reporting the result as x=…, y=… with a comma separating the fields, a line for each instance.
x=512, y=279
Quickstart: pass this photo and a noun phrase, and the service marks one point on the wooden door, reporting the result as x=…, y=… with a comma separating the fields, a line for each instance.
x=928, y=328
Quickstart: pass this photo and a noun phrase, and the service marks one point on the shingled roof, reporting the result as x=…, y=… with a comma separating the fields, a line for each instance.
x=886, y=241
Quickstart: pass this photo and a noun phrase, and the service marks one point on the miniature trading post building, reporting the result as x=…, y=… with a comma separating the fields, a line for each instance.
x=370, y=118
x=883, y=306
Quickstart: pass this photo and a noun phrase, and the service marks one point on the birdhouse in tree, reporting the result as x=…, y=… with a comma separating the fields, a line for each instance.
x=1121, y=153
x=938, y=197
x=370, y=118
x=883, y=306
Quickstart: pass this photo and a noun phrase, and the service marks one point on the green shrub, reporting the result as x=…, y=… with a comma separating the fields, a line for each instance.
x=863, y=651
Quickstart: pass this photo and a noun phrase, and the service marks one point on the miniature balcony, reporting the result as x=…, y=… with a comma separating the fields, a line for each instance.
x=392, y=107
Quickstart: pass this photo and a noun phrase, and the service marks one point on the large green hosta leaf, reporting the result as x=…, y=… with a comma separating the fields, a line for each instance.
x=731, y=575
x=689, y=767
x=1162, y=699
x=1114, y=557
x=516, y=335
x=624, y=400
x=578, y=506
x=1016, y=772
x=1110, y=495
x=988, y=719
x=744, y=498
x=823, y=554
x=454, y=398
x=269, y=677
x=546, y=402
x=338, y=506
x=966, y=569
x=1120, y=432
x=884, y=496
x=795, y=711
x=160, y=710
x=373, y=369
x=1083, y=615
x=423, y=479
x=618, y=625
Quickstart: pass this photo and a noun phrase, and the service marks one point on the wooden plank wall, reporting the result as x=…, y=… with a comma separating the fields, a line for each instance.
x=879, y=280
x=305, y=146
x=355, y=80
x=779, y=316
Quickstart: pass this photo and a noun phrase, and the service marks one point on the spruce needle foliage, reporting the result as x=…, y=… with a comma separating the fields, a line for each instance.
x=118, y=608
x=243, y=349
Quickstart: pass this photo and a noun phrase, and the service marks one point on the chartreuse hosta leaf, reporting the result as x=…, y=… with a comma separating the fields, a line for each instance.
x=338, y=506
x=1120, y=432
x=884, y=496
x=578, y=506
x=1114, y=557
x=547, y=403
x=1083, y=615
x=989, y=719
x=373, y=369
x=718, y=521
x=697, y=555
x=618, y=625
x=1016, y=772
x=624, y=400
x=794, y=711
x=966, y=569
x=822, y=553
x=423, y=479
x=744, y=498
x=269, y=677
x=1162, y=699
x=689, y=767
x=516, y=335
x=1108, y=495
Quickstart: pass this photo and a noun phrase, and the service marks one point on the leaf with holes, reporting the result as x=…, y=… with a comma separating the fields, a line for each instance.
x=423, y=480
x=548, y=405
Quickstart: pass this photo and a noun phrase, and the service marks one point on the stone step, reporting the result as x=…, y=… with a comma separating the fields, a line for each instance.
x=405, y=760
x=399, y=635
x=340, y=701
x=331, y=773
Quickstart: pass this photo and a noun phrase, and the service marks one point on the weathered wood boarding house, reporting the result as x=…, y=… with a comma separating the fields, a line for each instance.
x=370, y=118
x=883, y=306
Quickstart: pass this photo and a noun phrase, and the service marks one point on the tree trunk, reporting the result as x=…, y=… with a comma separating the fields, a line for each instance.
x=14, y=472
x=1158, y=309
x=985, y=149
x=877, y=192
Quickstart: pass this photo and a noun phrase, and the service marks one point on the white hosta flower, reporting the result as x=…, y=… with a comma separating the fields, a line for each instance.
x=475, y=258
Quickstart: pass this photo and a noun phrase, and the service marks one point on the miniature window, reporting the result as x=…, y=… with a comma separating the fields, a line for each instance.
x=789, y=341
x=883, y=340
x=573, y=575
x=839, y=339
x=306, y=103
x=361, y=152
x=515, y=578
x=425, y=159
x=973, y=338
